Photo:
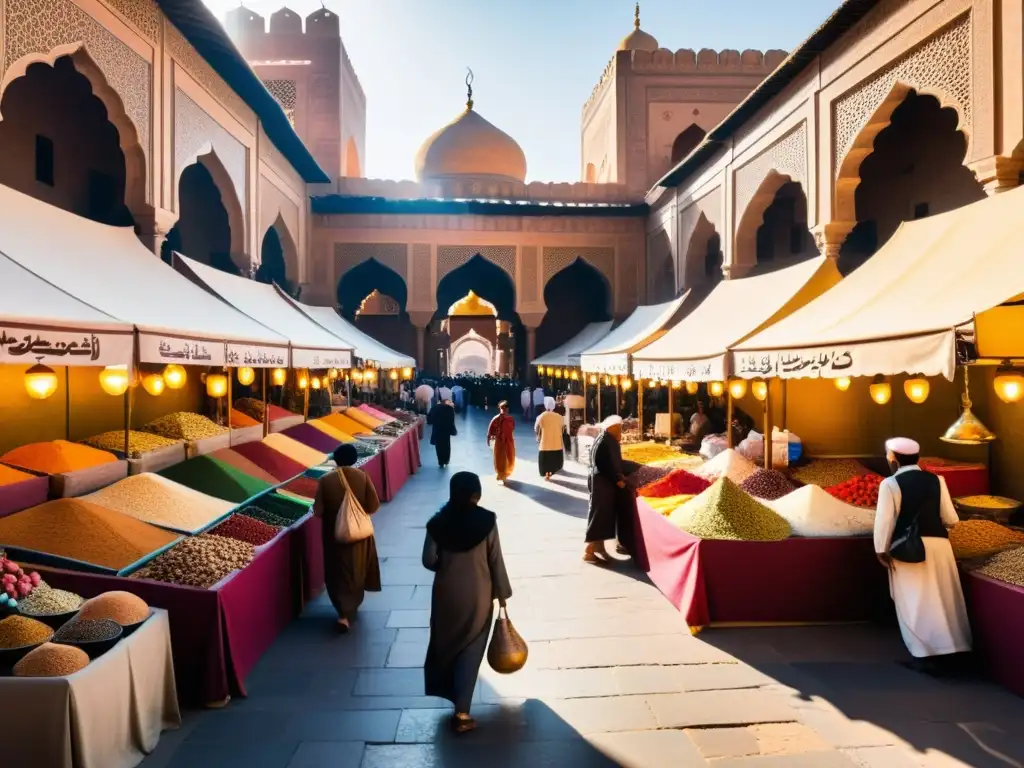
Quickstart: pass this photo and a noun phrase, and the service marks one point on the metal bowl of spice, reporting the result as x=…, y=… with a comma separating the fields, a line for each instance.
x=18, y=636
x=55, y=607
x=94, y=636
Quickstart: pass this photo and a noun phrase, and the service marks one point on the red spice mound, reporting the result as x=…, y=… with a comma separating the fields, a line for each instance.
x=676, y=482
x=302, y=486
x=244, y=528
x=861, y=491
x=277, y=412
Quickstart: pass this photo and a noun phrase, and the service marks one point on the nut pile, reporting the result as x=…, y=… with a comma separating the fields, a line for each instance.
x=19, y=631
x=978, y=538
x=731, y=464
x=157, y=500
x=123, y=607
x=247, y=529
x=813, y=512
x=138, y=442
x=767, y=484
x=724, y=511
x=200, y=561
x=676, y=482
x=861, y=491
x=184, y=426
x=828, y=472
x=1006, y=566
x=87, y=631
x=51, y=660
x=267, y=517
x=50, y=602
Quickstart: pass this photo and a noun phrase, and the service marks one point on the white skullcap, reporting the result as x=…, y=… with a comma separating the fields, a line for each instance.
x=903, y=446
x=549, y=403
x=611, y=421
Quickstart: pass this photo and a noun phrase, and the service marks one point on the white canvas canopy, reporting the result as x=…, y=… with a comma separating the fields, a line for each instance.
x=901, y=311
x=40, y=323
x=696, y=349
x=568, y=354
x=312, y=346
x=611, y=354
x=111, y=271
x=364, y=346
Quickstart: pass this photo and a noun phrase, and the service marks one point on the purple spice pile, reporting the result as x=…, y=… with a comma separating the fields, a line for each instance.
x=768, y=484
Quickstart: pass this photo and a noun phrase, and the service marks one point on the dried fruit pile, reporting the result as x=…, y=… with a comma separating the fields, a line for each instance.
x=184, y=426
x=767, y=484
x=646, y=452
x=123, y=607
x=58, y=456
x=724, y=511
x=15, y=584
x=676, y=482
x=248, y=529
x=45, y=601
x=138, y=442
x=19, y=631
x=200, y=561
x=828, y=472
x=978, y=538
x=731, y=464
x=51, y=660
x=813, y=512
x=861, y=491
x=87, y=631
x=1006, y=566
x=157, y=500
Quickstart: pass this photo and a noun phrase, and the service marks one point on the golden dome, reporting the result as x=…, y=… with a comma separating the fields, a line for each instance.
x=472, y=305
x=638, y=40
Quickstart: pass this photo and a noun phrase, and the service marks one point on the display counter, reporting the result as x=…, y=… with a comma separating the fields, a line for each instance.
x=398, y=464
x=996, y=611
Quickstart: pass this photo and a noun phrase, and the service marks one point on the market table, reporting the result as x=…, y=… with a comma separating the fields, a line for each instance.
x=309, y=553
x=792, y=581
x=996, y=611
x=374, y=467
x=108, y=715
x=398, y=465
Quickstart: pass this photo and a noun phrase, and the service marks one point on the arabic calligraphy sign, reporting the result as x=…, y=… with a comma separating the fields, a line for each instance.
x=253, y=356
x=168, y=349
x=22, y=345
x=612, y=365
x=708, y=369
x=320, y=358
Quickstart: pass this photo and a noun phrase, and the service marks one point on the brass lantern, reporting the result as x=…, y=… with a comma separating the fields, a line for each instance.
x=968, y=429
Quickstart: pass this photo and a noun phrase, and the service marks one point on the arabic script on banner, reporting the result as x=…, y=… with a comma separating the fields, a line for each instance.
x=703, y=371
x=306, y=358
x=825, y=363
x=15, y=344
x=256, y=357
x=164, y=349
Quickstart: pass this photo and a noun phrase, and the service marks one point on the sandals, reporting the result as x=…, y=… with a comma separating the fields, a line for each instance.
x=343, y=626
x=595, y=557
x=463, y=723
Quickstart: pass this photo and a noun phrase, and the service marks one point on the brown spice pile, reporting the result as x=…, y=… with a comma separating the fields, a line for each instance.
x=123, y=607
x=51, y=660
x=199, y=561
x=19, y=631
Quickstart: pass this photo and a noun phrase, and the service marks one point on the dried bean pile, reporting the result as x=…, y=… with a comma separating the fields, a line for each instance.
x=51, y=660
x=644, y=475
x=978, y=538
x=731, y=464
x=767, y=484
x=184, y=426
x=200, y=561
x=50, y=602
x=1006, y=566
x=267, y=517
x=123, y=607
x=160, y=501
x=828, y=472
x=813, y=512
x=251, y=407
x=138, y=442
x=861, y=491
x=246, y=529
x=87, y=631
x=19, y=631
x=676, y=482
x=724, y=511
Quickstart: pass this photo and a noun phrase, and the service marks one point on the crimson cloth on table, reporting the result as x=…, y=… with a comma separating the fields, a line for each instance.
x=310, y=436
x=302, y=486
x=274, y=462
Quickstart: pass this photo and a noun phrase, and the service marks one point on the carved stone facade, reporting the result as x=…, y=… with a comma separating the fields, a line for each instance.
x=196, y=133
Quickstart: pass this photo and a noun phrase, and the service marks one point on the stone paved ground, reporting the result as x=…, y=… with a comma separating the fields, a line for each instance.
x=614, y=676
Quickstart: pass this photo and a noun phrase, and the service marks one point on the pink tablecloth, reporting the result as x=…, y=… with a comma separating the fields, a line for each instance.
x=398, y=465
x=792, y=581
x=997, y=621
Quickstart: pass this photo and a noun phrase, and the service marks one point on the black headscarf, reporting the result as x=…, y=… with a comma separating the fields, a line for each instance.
x=345, y=455
x=461, y=524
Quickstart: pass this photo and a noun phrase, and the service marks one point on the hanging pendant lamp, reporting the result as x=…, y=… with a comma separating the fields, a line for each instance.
x=968, y=429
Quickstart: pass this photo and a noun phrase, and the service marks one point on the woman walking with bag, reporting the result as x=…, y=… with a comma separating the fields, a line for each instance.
x=463, y=550
x=345, y=499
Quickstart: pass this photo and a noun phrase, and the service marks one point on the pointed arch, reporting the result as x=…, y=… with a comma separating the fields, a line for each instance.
x=467, y=350
x=207, y=157
x=746, y=243
x=590, y=174
x=486, y=279
x=687, y=141
x=703, y=259
x=353, y=166
x=363, y=279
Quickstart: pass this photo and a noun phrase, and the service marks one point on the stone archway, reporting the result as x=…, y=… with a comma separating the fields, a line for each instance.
x=363, y=279
x=208, y=159
x=353, y=167
x=703, y=260
x=205, y=230
x=687, y=141
x=279, y=258
x=773, y=227
x=471, y=353
x=575, y=297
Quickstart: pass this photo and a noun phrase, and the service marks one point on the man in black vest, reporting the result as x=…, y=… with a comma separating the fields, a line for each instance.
x=914, y=511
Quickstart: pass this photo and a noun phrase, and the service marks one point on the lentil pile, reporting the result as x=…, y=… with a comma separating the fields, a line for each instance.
x=138, y=442
x=157, y=500
x=724, y=511
x=646, y=452
x=50, y=602
x=87, y=631
x=10, y=476
x=247, y=529
x=184, y=426
x=767, y=484
x=267, y=517
x=19, y=631
x=861, y=491
x=813, y=512
x=209, y=475
x=83, y=530
x=294, y=450
x=677, y=481
x=123, y=607
x=200, y=561
x=978, y=538
x=730, y=464
x=1006, y=566
x=828, y=472
x=57, y=457
x=51, y=660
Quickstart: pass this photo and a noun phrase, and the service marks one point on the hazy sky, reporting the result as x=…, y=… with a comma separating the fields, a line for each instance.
x=535, y=61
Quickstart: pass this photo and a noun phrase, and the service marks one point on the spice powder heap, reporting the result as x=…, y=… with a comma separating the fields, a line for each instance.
x=123, y=607
x=10, y=476
x=51, y=660
x=294, y=450
x=19, y=631
x=157, y=500
x=81, y=530
x=57, y=457
x=724, y=511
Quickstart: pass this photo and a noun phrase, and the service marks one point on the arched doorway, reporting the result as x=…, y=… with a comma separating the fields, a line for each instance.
x=278, y=259
x=704, y=259
x=773, y=230
x=203, y=230
x=575, y=296
x=914, y=169
x=590, y=174
x=361, y=282
x=472, y=354
x=58, y=142
x=686, y=142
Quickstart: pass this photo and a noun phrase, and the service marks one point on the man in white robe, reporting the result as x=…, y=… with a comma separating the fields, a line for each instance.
x=424, y=397
x=526, y=401
x=928, y=596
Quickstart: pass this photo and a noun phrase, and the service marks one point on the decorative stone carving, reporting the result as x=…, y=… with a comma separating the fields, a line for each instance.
x=394, y=256
x=377, y=303
x=558, y=258
x=940, y=66
x=285, y=93
x=204, y=74
x=422, y=279
x=787, y=157
x=529, y=288
x=195, y=132
x=451, y=257
x=144, y=15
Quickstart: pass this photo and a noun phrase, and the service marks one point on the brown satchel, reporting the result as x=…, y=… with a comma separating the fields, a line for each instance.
x=352, y=523
x=507, y=652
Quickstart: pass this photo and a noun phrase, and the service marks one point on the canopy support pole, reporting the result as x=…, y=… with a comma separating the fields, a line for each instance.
x=618, y=398
x=768, y=426
x=585, y=393
x=600, y=394
x=67, y=403
x=305, y=399
x=231, y=400
x=640, y=405
x=266, y=409
x=730, y=438
x=785, y=403
x=128, y=397
x=671, y=416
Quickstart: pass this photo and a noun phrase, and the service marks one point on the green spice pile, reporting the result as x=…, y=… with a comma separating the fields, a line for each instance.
x=19, y=631
x=213, y=477
x=160, y=501
x=200, y=561
x=138, y=442
x=184, y=426
x=267, y=517
x=123, y=607
x=51, y=660
x=50, y=602
x=87, y=631
x=724, y=511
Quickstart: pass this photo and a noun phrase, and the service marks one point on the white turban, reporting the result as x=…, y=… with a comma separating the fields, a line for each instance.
x=903, y=446
x=611, y=421
x=549, y=403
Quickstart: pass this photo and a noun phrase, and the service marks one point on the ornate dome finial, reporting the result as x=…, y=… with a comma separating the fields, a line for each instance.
x=469, y=89
x=636, y=16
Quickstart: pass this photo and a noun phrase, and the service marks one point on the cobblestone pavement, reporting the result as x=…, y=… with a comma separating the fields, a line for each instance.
x=614, y=676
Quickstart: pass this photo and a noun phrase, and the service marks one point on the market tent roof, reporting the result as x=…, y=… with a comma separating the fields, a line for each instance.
x=569, y=352
x=312, y=346
x=41, y=323
x=110, y=270
x=611, y=354
x=697, y=348
x=900, y=312
x=364, y=346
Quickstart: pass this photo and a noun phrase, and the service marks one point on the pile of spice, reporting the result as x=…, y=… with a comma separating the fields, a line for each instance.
x=345, y=424
x=87, y=631
x=58, y=457
x=666, y=505
x=267, y=517
x=289, y=509
x=311, y=437
x=827, y=472
x=10, y=476
x=813, y=512
x=80, y=529
x=979, y=538
x=157, y=500
x=302, y=486
x=247, y=529
x=334, y=432
x=677, y=481
x=277, y=412
x=50, y=602
x=19, y=631
x=294, y=450
x=250, y=407
x=272, y=462
x=241, y=420
x=724, y=511
x=138, y=442
x=767, y=484
x=645, y=475
x=987, y=502
x=646, y=452
x=52, y=660
x=234, y=459
x=184, y=426
x=377, y=413
x=1007, y=566
x=861, y=491
x=209, y=475
x=730, y=464
x=362, y=417
x=200, y=561
x=123, y=607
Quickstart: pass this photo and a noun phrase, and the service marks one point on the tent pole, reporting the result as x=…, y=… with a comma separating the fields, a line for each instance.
x=730, y=438
x=599, y=389
x=585, y=393
x=671, y=416
x=640, y=405
x=231, y=400
x=67, y=403
x=266, y=410
x=128, y=398
x=305, y=399
x=768, y=426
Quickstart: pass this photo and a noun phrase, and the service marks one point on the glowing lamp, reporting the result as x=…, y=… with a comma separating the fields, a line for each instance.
x=574, y=376
x=370, y=376
x=154, y=384
x=607, y=381
x=175, y=376
x=40, y=382
x=114, y=379
x=278, y=377
x=692, y=387
x=314, y=383
x=738, y=388
x=593, y=379
x=246, y=376
x=916, y=390
x=654, y=383
x=407, y=373
x=677, y=384
x=1009, y=384
x=357, y=375
x=626, y=382
x=332, y=374
x=842, y=383
x=558, y=373
x=303, y=381
x=759, y=389
x=716, y=388
x=881, y=390
x=216, y=385
x=393, y=375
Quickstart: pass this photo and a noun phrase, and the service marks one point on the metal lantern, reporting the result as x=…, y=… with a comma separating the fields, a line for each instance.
x=246, y=376
x=40, y=382
x=114, y=379
x=968, y=429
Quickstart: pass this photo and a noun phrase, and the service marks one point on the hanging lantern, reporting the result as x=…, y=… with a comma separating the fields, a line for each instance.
x=716, y=388
x=759, y=389
x=626, y=382
x=593, y=379
x=968, y=429
x=303, y=381
x=246, y=376
x=574, y=376
x=175, y=376
x=881, y=390
x=278, y=377
x=607, y=381
x=332, y=374
x=40, y=382
x=558, y=374
x=676, y=384
x=314, y=383
x=357, y=375
x=916, y=390
x=114, y=379
x=393, y=375
x=370, y=376
x=154, y=384
x=547, y=371
x=216, y=384
x=654, y=383
x=692, y=387
x=407, y=373
x=842, y=383
x=1009, y=383
x=738, y=388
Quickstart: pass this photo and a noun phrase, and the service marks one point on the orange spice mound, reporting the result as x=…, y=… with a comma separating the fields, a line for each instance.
x=345, y=424
x=240, y=420
x=56, y=457
x=10, y=476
